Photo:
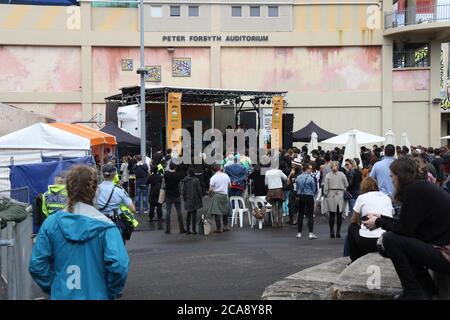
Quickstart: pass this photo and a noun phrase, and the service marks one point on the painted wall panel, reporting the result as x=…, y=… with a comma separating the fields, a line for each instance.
x=108, y=76
x=412, y=118
x=411, y=80
x=40, y=69
x=58, y=111
x=349, y=69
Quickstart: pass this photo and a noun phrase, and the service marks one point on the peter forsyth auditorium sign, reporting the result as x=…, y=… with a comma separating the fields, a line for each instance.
x=241, y=38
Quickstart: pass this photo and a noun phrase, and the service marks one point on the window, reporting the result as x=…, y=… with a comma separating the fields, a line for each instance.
x=175, y=11
x=273, y=11
x=193, y=11
x=411, y=55
x=236, y=11
x=255, y=11
x=156, y=11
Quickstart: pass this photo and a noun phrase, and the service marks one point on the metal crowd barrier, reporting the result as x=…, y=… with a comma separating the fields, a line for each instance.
x=15, y=250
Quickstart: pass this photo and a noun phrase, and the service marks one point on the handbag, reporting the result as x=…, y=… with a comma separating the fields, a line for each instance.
x=259, y=213
x=162, y=193
x=347, y=195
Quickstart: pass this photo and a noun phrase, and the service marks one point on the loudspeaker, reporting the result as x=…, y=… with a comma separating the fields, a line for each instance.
x=111, y=112
x=248, y=118
x=288, y=127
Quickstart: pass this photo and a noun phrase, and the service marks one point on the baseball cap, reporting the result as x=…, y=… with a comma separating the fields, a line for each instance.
x=108, y=170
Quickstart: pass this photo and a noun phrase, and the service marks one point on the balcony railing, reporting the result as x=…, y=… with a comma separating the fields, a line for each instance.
x=411, y=58
x=417, y=15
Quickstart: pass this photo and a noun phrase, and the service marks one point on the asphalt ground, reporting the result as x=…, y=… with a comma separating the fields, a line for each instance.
x=238, y=264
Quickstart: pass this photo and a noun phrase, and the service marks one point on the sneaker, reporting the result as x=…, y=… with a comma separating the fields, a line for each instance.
x=312, y=236
x=299, y=235
x=167, y=232
x=338, y=235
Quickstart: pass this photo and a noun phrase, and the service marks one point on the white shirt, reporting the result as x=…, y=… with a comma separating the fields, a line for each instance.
x=125, y=172
x=219, y=182
x=373, y=202
x=274, y=179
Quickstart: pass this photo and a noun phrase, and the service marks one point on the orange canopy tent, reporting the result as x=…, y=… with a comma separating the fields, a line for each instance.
x=100, y=141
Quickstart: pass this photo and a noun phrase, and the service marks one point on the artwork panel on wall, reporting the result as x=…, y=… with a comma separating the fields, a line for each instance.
x=127, y=64
x=154, y=74
x=181, y=67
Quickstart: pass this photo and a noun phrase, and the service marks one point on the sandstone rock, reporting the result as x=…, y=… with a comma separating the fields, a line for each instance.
x=370, y=277
x=309, y=284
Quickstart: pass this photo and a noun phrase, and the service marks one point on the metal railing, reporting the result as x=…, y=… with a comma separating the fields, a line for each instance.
x=411, y=58
x=15, y=250
x=417, y=15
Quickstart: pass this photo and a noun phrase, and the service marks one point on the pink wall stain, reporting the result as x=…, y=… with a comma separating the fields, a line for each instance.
x=109, y=77
x=12, y=71
x=333, y=69
x=40, y=69
x=411, y=80
x=66, y=112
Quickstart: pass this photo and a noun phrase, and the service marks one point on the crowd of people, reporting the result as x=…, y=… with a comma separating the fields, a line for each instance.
x=398, y=201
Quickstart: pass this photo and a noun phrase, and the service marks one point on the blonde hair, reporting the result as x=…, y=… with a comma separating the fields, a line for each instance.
x=81, y=184
x=334, y=166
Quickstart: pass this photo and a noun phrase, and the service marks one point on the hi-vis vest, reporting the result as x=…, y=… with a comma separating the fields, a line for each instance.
x=123, y=208
x=54, y=200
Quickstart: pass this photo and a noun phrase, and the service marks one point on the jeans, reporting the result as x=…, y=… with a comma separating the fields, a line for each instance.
x=359, y=246
x=141, y=195
x=351, y=204
x=411, y=258
x=158, y=207
x=292, y=208
x=305, y=205
x=286, y=202
x=177, y=203
x=192, y=214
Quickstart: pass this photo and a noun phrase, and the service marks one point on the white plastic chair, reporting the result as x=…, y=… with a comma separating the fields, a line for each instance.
x=257, y=203
x=239, y=208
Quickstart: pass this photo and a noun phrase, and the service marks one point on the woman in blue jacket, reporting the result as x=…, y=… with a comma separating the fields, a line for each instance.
x=79, y=252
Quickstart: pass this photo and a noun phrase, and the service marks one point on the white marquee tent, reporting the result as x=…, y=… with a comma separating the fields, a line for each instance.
x=29, y=144
x=361, y=138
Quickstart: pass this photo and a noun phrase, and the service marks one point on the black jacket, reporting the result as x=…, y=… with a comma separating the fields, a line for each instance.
x=259, y=183
x=425, y=214
x=192, y=194
x=155, y=181
x=141, y=173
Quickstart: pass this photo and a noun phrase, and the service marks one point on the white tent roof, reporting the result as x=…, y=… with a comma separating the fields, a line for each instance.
x=352, y=150
x=43, y=137
x=361, y=138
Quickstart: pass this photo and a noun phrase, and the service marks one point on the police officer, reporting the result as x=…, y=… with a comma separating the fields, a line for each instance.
x=55, y=198
x=110, y=197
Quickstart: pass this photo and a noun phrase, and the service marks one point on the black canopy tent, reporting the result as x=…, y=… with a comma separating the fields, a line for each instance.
x=126, y=143
x=304, y=134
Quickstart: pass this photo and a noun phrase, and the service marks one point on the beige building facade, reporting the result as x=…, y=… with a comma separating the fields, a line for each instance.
x=345, y=64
